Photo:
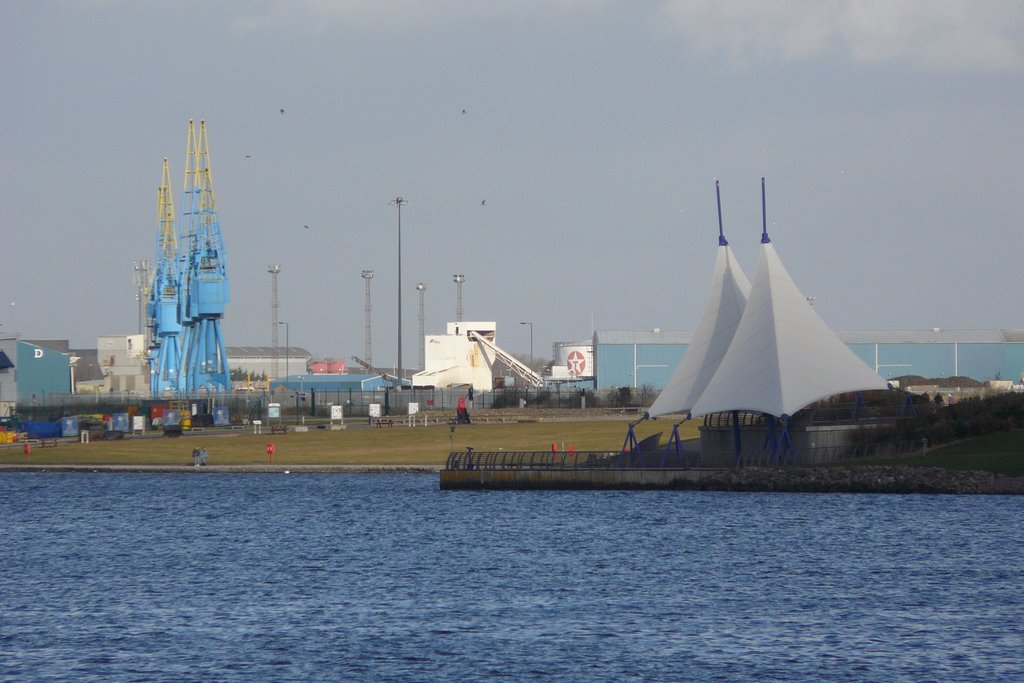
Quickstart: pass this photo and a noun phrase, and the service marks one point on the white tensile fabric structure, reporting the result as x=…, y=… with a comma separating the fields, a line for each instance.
x=783, y=356
x=729, y=291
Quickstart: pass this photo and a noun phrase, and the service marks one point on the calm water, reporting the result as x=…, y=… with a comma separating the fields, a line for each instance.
x=113, y=577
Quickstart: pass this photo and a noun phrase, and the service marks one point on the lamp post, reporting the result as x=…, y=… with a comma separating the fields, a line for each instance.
x=398, y=201
x=531, y=341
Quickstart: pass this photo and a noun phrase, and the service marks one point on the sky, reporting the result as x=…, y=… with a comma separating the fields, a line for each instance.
x=561, y=154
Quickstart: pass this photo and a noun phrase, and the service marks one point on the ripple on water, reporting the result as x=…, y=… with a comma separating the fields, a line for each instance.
x=348, y=577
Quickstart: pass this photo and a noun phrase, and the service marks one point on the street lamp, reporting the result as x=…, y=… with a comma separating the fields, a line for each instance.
x=398, y=201
x=287, y=350
x=531, y=341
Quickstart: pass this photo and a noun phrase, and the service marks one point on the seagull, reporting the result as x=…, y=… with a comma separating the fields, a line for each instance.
x=306, y=227
x=248, y=156
x=463, y=111
x=282, y=111
x=483, y=202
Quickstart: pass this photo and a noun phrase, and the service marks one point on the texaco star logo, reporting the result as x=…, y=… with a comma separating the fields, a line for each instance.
x=577, y=363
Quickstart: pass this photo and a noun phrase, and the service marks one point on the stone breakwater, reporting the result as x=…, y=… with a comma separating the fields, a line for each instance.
x=859, y=480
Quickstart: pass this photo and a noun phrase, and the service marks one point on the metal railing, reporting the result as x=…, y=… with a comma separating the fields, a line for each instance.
x=568, y=460
x=670, y=458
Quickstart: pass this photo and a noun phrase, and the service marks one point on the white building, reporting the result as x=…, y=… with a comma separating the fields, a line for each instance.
x=466, y=356
x=123, y=360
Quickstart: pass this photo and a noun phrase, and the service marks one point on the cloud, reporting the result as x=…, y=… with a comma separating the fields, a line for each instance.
x=927, y=34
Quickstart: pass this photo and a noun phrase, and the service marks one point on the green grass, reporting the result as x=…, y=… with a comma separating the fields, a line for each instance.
x=357, y=446
x=1001, y=452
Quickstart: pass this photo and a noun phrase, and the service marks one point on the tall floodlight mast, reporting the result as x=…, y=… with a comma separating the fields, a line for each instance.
x=397, y=202
x=275, y=366
x=368, y=310
x=142, y=279
x=458, y=279
x=207, y=287
x=162, y=308
x=421, y=287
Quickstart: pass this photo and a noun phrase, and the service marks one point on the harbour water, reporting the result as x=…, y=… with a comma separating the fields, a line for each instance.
x=274, y=577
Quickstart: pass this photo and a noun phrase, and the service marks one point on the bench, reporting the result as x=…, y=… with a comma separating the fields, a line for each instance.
x=384, y=422
x=48, y=443
x=279, y=429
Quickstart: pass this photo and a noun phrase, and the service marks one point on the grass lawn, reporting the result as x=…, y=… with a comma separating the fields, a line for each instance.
x=355, y=446
x=1001, y=452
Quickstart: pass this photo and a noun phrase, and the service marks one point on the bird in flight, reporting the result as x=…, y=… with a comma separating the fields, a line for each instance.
x=306, y=227
x=282, y=111
x=463, y=111
x=483, y=202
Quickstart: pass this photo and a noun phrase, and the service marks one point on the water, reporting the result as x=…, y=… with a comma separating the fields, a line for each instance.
x=125, y=577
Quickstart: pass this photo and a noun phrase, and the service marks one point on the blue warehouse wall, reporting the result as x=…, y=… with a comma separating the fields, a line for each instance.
x=1013, y=362
x=41, y=371
x=980, y=361
x=653, y=364
x=977, y=361
x=627, y=365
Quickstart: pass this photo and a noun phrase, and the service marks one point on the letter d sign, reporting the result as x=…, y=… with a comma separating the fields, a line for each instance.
x=39, y=353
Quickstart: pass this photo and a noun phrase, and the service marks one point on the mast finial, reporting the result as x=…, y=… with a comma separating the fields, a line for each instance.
x=722, y=242
x=764, y=217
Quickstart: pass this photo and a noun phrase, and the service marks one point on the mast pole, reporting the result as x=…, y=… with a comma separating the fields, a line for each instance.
x=764, y=217
x=722, y=242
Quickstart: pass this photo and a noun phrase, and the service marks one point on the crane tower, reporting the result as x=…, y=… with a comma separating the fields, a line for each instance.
x=162, y=307
x=204, y=290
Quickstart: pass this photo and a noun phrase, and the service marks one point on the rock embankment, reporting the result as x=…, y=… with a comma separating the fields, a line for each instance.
x=861, y=480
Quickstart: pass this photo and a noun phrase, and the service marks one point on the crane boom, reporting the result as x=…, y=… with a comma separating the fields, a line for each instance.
x=164, y=290
x=205, y=287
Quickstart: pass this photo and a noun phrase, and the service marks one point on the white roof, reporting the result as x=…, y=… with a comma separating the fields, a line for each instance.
x=783, y=356
x=726, y=301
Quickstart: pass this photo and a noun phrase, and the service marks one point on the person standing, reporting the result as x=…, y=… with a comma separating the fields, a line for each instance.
x=195, y=457
x=202, y=457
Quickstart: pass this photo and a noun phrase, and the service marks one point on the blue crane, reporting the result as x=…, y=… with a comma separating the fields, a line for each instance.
x=204, y=288
x=163, y=305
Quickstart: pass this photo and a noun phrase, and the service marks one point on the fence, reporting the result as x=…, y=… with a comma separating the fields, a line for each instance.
x=667, y=457
x=310, y=402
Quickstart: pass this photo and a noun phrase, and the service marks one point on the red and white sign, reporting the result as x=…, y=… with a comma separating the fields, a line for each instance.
x=577, y=363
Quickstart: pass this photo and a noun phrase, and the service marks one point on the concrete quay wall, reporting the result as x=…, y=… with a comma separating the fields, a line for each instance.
x=770, y=479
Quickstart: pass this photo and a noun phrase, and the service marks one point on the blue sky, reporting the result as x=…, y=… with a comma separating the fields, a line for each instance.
x=889, y=133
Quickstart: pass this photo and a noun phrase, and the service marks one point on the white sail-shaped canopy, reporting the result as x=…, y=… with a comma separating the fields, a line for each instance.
x=783, y=356
x=722, y=312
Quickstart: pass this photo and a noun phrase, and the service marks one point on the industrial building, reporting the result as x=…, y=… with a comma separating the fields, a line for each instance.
x=467, y=355
x=260, y=361
x=647, y=359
